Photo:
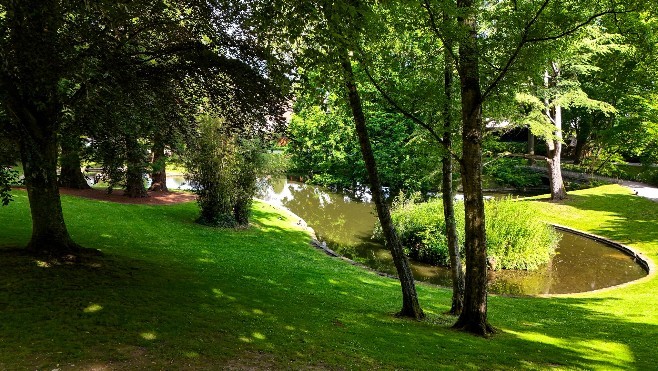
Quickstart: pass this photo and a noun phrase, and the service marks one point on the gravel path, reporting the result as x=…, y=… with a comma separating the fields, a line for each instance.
x=640, y=189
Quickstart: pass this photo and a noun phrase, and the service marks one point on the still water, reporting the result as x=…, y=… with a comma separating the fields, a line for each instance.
x=345, y=222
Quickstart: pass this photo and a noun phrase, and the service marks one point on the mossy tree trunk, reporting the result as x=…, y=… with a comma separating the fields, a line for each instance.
x=39, y=149
x=135, y=169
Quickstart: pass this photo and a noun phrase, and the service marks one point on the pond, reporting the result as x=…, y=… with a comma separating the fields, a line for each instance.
x=174, y=181
x=345, y=222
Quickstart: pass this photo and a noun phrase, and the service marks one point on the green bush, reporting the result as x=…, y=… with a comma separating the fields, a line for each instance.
x=223, y=170
x=8, y=176
x=516, y=238
x=512, y=172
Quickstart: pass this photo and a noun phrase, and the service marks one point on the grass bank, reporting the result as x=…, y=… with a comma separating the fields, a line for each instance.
x=170, y=294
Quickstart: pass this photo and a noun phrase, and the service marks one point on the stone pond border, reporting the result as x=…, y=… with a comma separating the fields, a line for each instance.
x=645, y=262
x=641, y=259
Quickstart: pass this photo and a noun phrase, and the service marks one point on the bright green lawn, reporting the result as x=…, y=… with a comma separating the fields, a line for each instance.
x=170, y=294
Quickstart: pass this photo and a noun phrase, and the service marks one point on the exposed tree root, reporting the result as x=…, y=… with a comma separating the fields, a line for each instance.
x=475, y=328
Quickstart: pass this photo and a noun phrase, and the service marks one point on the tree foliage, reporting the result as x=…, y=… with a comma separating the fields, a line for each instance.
x=112, y=70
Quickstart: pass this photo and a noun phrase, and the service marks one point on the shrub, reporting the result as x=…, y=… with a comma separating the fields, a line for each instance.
x=8, y=176
x=516, y=238
x=512, y=172
x=223, y=170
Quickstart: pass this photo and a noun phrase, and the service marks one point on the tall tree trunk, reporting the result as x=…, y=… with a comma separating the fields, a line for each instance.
x=582, y=137
x=159, y=173
x=70, y=174
x=474, y=314
x=554, y=113
x=447, y=190
x=135, y=171
x=531, y=147
x=410, y=305
x=39, y=149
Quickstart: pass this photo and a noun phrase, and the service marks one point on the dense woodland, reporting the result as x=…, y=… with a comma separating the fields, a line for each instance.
x=393, y=94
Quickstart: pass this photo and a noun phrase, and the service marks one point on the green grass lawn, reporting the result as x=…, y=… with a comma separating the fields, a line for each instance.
x=170, y=294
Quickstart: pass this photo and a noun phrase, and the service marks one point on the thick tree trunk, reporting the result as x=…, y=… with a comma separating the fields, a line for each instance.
x=135, y=187
x=70, y=174
x=448, y=194
x=159, y=173
x=474, y=314
x=558, y=191
x=50, y=236
x=410, y=305
x=554, y=113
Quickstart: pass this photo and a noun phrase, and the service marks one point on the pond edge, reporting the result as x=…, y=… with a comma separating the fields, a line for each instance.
x=639, y=258
x=322, y=246
x=645, y=262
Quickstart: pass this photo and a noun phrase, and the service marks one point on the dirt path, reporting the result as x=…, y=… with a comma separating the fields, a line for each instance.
x=155, y=198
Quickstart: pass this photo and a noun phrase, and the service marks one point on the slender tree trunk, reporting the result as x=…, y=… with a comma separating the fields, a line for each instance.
x=159, y=174
x=448, y=193
x=135, y=187
x=582, y=136
x=50, y=236
x=410, y=305
x=473, y=317
x=554, y=113
x=531, y=147
x=70, y=174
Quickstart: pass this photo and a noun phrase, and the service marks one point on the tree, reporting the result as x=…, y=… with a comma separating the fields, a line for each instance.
x=623, y=76
x=70, y=175
x=340, y=38
x=158, y=166
x=473, y=317
x=407, y=53
x=561, y=89
x=59, y=56
x=502, y=34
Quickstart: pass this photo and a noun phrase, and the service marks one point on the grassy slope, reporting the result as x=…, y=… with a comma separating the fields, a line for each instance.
x=170, y=294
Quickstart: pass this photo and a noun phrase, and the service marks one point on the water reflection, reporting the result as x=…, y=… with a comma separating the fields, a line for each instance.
x=345, y=222
x=177, y=181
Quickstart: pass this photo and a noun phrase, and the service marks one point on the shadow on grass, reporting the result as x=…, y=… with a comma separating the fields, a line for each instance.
x=170, y=295
x=128, y=312
x=635, y=219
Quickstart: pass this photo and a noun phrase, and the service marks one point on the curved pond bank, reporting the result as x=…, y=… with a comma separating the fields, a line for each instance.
x=345, y=223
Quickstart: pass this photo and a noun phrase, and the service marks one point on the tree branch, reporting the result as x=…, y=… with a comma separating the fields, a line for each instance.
x=408, y=114
x=576, y=27
x=437, y=32
x=399, y=108
x=517, y=50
